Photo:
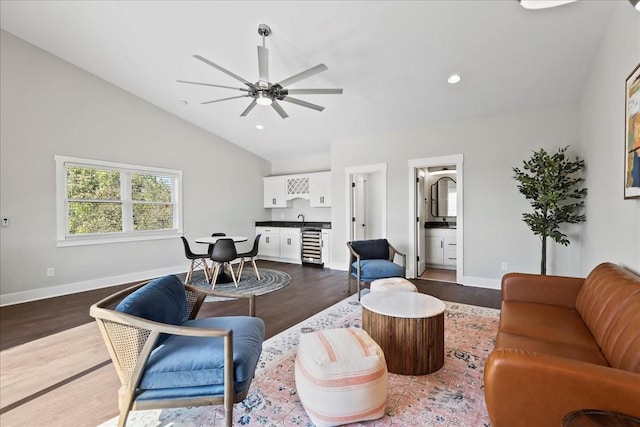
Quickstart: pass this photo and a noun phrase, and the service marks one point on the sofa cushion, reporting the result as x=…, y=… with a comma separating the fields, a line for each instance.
x=161, y=300
x=609, y=304
x=184, y=361
x=559, y=349
x=545, y=322
x=371, y=269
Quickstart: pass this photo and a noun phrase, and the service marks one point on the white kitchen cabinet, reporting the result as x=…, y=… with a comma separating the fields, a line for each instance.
x=290, y=244
x=313, y=186
x=450, y=250
x=269, y=246
x=320, y=190
x=275, y=192
x=326, y=248
x=441, y=247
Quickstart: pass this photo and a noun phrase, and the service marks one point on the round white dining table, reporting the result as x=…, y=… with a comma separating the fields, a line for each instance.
x=211, y=240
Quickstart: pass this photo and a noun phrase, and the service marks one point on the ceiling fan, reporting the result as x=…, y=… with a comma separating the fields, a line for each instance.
x=263, y=91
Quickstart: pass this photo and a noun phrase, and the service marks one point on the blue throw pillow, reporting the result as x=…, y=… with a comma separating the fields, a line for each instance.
x=161, y=300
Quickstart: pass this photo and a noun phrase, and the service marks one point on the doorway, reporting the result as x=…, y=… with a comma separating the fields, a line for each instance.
x=367, y=190
x=419, y=214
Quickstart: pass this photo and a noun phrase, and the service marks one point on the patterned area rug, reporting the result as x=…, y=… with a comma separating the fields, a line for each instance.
x=270, y=280
x=452, y=396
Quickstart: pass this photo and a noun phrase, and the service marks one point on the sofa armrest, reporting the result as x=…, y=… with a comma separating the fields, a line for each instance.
x=533, y=389
x=553, y=290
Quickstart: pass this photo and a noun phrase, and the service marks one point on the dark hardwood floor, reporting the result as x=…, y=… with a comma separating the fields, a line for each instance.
x=56, y=370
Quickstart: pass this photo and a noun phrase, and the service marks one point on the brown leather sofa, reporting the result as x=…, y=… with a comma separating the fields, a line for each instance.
x=565, y=344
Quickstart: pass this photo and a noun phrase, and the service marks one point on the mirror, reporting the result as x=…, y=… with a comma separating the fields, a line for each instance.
x=443, y=197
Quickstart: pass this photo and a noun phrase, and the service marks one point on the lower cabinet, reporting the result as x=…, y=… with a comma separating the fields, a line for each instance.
x=326, y=247
x=279, y=244
x=290, y=245
x=269, y=246
x=441, y=247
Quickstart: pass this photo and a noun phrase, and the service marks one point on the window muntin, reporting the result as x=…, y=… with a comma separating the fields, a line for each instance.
x=102, y=200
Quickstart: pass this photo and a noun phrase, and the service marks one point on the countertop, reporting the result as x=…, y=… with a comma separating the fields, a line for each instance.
x=294, y=224
x=440, y=224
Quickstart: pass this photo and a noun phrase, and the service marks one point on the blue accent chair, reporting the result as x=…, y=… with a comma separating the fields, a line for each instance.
x=167, y=358
x=373, y=259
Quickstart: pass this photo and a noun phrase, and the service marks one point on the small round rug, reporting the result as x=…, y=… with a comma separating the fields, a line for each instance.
x=270, y=281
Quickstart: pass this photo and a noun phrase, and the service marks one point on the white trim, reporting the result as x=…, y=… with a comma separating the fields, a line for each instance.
x=63, y=240
x=353, y=170
x=455, y=159
x=88, y=285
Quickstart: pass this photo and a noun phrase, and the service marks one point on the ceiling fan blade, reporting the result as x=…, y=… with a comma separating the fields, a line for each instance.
x=224, y=99
x=263, y=64
x=303, y=103
x=303, y=75
x=211, y=84
x=248, y=109
x=279, y=109
x=314, y=91
x=217, y=67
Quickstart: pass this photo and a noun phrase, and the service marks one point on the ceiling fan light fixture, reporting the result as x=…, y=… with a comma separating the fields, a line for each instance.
x=263, y=99
x=543, y=4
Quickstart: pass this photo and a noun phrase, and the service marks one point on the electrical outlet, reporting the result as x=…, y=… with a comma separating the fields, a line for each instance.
x=51, y=271
x=5, y=221
x=504, y=266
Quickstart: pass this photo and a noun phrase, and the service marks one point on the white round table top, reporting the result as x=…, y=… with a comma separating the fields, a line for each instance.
x=402, y=304
x=212, y=240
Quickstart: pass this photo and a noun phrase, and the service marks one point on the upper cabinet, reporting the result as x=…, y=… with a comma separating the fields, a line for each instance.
x=274, y=192
x=320, y=190
x=314, y=186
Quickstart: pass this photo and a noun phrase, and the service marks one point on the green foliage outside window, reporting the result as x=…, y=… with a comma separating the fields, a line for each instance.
x=96, y=203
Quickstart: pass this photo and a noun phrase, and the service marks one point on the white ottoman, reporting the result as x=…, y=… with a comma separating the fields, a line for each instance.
x=341, y=376
x=392, y=284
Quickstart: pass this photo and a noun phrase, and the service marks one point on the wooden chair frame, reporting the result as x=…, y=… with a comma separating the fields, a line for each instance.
x=130, y=341
x=355, y=257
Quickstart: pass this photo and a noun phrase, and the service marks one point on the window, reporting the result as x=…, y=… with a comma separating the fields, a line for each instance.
x=100, y=202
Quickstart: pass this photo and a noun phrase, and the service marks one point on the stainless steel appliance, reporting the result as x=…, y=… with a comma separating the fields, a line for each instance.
x=312, y=247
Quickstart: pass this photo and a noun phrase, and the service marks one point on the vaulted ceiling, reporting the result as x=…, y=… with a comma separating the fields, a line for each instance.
x=392, y=58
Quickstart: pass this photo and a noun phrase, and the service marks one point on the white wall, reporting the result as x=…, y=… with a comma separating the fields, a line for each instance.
x=612, y=231
x=493, y=229
x=50, y=107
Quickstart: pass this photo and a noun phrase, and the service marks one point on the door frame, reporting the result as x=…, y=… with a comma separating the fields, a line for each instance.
x=414, y=165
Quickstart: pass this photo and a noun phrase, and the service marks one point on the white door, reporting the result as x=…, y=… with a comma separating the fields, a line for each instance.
x=359, y=220
x=420, y=218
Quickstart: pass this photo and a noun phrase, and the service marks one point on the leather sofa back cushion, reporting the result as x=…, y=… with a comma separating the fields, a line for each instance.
x=609, y=304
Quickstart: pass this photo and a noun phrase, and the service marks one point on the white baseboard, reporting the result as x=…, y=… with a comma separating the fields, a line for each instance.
x=88, y=285
x=481, y=282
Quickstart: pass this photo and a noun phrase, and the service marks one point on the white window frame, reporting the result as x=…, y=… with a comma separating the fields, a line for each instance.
x=66, y=239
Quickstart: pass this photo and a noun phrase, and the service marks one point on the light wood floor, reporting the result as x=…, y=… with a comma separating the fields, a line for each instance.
x=55, y=369
x=440, y=274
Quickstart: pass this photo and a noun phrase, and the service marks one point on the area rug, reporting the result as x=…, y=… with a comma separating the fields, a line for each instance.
x=452, y=396
x=270, y=281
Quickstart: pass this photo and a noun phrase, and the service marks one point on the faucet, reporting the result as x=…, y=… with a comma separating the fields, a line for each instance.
x=301, y=216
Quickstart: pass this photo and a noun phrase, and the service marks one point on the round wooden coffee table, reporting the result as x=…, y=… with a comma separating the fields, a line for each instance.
x=409, y=327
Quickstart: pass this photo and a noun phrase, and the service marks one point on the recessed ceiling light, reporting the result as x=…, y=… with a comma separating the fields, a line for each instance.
x=260, y=127
x=454, y=78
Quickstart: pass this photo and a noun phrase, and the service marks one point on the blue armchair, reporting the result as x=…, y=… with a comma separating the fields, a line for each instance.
x=166, y=358
x=373, y=259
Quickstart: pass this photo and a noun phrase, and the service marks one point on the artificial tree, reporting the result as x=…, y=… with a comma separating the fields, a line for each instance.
x=552, y=184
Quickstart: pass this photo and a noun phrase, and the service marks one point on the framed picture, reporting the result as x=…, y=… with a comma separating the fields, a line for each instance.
x=632, y=135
